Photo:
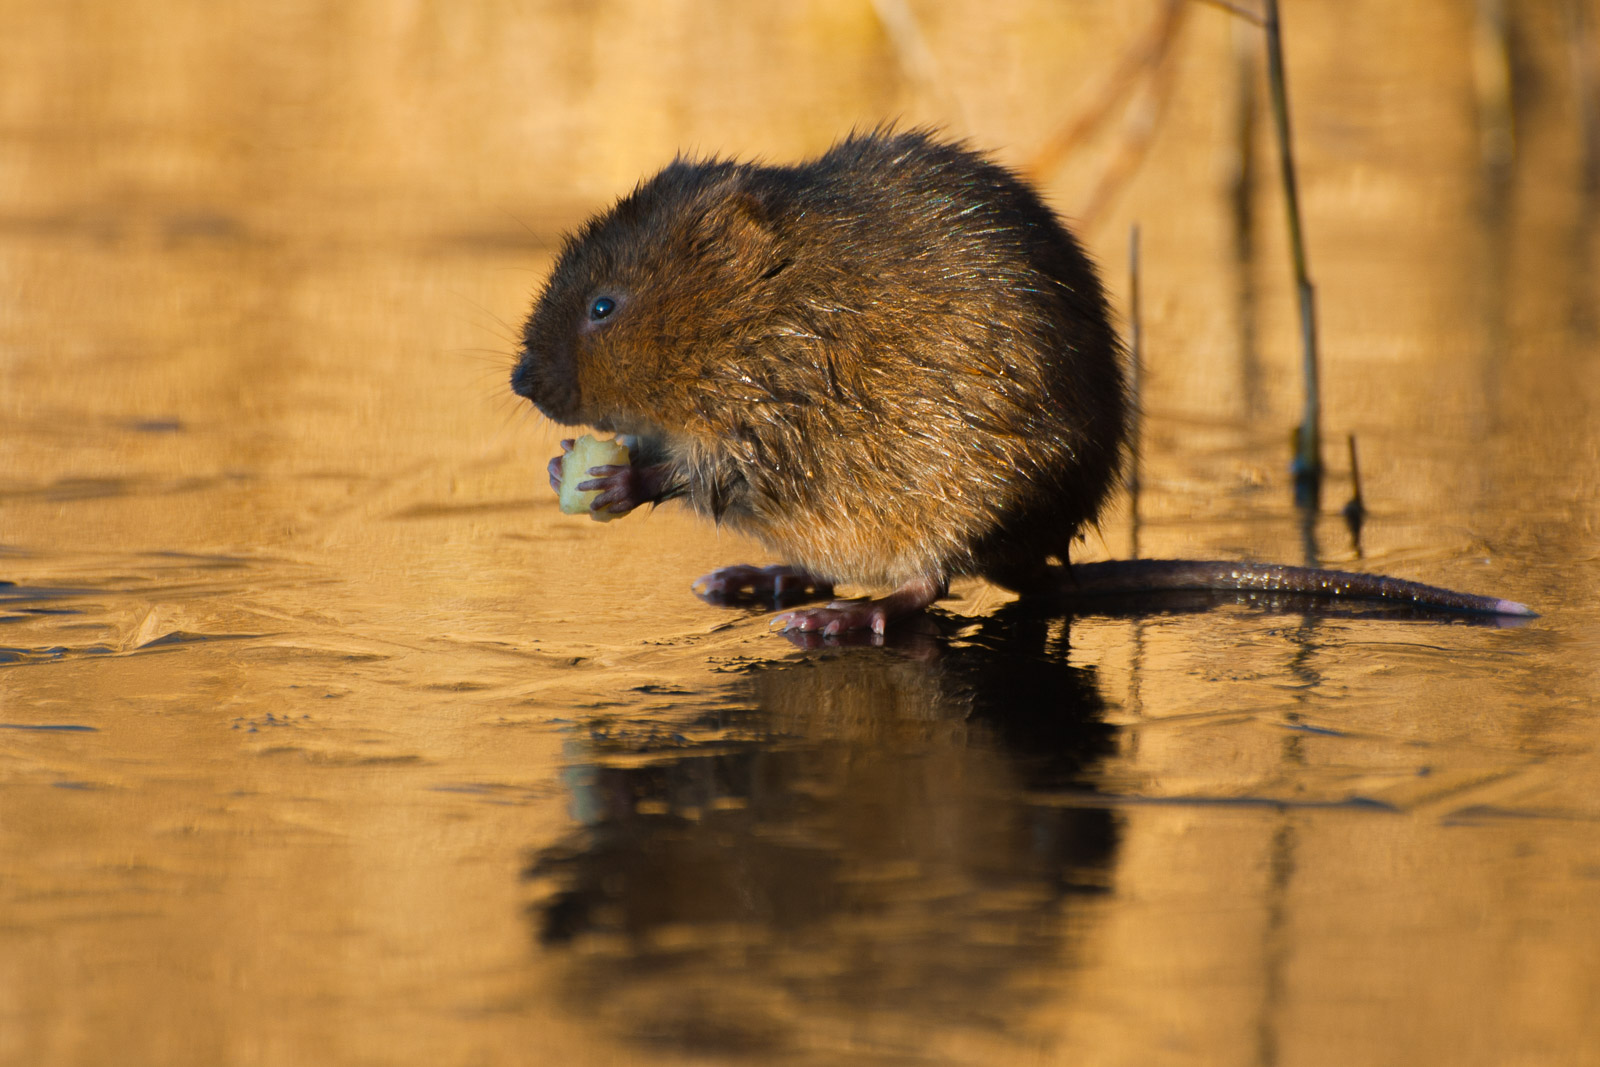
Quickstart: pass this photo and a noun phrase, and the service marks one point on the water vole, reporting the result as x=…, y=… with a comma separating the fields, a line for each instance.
x=892, y=365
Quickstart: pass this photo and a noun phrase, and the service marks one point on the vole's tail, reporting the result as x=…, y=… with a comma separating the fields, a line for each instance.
x=1139, y=576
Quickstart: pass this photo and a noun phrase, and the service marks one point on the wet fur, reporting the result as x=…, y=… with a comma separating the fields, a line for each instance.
x=887, y=363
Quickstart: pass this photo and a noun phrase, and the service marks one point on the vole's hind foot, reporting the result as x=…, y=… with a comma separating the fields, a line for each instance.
x=778, y=585
x=839, y=617
x=843, y=616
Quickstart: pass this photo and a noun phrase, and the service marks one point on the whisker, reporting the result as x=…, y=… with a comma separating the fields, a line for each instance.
x=512, y=335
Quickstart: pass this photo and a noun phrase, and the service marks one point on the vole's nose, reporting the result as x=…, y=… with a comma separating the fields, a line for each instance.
x=522, y=378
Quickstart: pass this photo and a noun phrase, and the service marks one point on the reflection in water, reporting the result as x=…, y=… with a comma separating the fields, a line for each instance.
x=848, y=850
x=1242, y=210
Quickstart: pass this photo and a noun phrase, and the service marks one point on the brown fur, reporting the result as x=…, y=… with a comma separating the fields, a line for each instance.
x=890, y=362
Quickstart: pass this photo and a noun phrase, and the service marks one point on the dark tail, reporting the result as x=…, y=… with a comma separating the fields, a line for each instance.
x=1136, y=576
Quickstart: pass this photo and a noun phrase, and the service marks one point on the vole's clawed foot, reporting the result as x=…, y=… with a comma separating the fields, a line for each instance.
x=555, y=464
x=622, y=488
x=839, y=617
x=778, y=584
x=843, y=616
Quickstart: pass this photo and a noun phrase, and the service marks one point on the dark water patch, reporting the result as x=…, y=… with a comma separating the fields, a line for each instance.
x=71, y=490
x=45, y=726
x=18, y=656
x=187, y=226
x=1353, y=803
x=211, y=560
x=155, y=425
x=1478, y=814
x=98, y=227
x=492, y=792
x=270, y=720
x=294, y=650
x=487, y=507
x=323, y=758
x=187, y=637
x=12, y=591
x=1307, y=728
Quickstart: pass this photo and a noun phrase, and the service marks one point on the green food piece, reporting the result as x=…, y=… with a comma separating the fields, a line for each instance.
x=588, y=452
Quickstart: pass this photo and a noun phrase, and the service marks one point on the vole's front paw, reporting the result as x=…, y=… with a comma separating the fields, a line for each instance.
x=621, y=488
x=555, y=464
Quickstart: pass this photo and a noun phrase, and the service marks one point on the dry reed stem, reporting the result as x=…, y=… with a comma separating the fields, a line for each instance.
x=1150, y=49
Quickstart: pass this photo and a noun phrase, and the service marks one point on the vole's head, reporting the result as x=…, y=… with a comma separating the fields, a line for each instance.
x=647, y=295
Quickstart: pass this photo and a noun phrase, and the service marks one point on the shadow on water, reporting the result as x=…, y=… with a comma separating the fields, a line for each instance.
x=846, y=848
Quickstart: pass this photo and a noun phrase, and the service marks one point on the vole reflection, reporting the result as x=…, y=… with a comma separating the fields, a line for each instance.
x=862, y=849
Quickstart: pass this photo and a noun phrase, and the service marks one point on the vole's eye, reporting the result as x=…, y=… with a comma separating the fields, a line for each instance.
x=601, y=307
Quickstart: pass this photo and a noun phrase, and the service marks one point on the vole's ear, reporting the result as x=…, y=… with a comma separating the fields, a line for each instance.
x=738, y=228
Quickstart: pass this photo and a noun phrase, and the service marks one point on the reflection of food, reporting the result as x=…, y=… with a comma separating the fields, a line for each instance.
x=588, y=452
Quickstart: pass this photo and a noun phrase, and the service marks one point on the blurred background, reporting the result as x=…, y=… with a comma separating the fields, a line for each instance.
x=323, y=738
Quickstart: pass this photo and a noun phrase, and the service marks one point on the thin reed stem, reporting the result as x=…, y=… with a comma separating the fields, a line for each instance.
x=1135, y=358
x=1308, y=439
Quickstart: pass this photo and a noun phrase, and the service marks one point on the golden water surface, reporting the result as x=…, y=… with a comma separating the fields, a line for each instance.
x=325, y=739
